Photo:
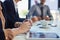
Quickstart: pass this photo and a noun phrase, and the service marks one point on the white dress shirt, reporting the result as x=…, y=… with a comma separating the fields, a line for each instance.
x=16, y=6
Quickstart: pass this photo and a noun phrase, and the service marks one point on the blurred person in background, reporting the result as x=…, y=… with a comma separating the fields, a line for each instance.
x=9, y=34
x=40, y=11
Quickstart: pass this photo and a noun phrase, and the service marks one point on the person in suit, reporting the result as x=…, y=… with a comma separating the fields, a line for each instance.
x=41, y=11
x=9, y=34
x=11, y=13
x=2, y=32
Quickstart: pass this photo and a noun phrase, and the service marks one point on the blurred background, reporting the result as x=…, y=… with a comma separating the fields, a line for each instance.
x=25, y=5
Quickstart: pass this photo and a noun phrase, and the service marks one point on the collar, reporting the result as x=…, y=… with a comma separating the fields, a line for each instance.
x=14, y=2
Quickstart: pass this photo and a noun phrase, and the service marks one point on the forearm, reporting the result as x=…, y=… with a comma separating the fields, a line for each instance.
x=3, y=20
x=3, y=24
x=16, y=31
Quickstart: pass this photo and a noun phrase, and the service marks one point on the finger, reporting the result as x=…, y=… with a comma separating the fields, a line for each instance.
x=10, y=34
x=6, y=38
x=28, y=23
x=26, y=20
x=9, y=38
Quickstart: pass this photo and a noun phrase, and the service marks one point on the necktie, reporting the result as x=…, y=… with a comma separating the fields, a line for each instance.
x=41, y=12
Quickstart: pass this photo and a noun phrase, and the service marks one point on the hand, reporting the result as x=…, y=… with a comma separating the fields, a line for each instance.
x=8, y=34
x=27, y=20
x=17, y=24
x=47, y=18
x=39, y=18
x=36, y=18
x=24, y=27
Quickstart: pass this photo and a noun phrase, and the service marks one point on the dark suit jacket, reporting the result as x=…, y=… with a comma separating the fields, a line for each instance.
x=1, y=32
x=2, y=37
x=10, y=14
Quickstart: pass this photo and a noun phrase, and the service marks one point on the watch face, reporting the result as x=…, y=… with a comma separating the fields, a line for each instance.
x=43, y=35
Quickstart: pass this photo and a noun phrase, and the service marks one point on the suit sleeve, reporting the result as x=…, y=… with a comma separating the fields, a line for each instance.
x=11, y=16
x=2, y=36
x=49, y=14
x=31, y=11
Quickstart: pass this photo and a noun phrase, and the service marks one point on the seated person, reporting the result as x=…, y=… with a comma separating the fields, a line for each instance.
x=41, y=11
x=9, y=34
x=11, y=15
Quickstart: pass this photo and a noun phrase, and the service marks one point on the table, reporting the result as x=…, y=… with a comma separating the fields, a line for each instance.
x=20, y=37
x=49, y=29
x=35, y=28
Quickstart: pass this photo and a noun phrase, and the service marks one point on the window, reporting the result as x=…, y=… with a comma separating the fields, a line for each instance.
x=23, y=8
